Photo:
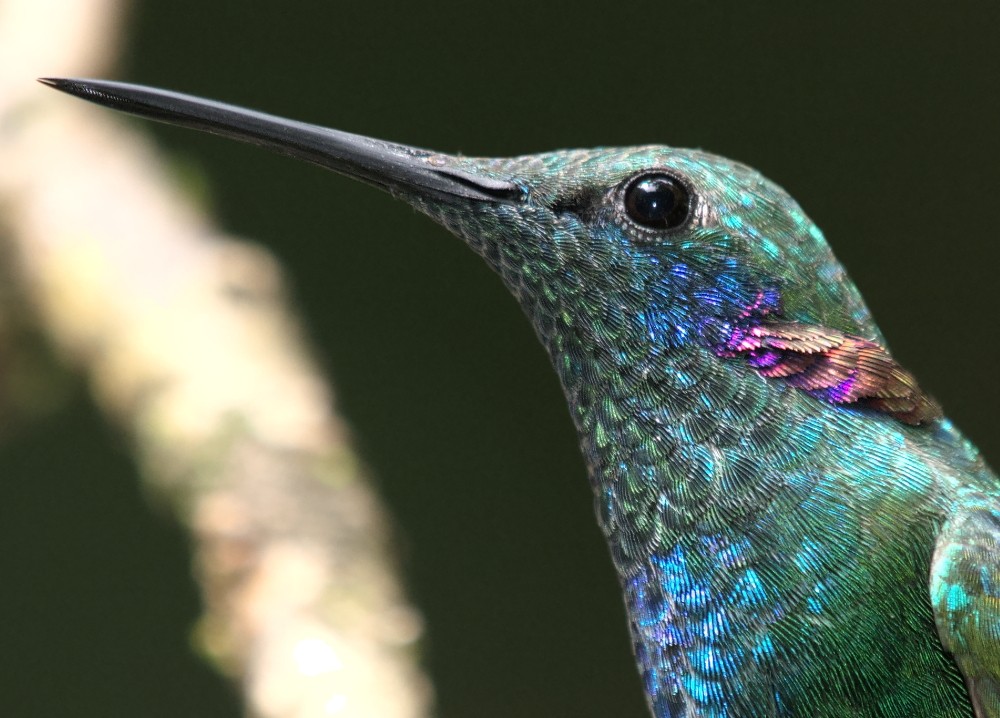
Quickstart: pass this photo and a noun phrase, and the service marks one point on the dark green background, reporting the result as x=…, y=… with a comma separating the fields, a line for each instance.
x=882, y=121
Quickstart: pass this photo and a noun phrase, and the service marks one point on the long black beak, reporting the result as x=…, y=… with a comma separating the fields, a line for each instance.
x=384, y=164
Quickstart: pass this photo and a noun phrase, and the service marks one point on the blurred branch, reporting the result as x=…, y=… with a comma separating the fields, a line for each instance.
x=187, y=341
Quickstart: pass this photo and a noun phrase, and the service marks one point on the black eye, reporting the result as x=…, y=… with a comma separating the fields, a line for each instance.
x=658, y=201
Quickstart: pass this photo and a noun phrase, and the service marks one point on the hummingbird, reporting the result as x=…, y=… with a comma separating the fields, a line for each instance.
x=797, y=529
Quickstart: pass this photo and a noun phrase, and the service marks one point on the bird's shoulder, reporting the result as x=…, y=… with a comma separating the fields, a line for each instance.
x=965, y=594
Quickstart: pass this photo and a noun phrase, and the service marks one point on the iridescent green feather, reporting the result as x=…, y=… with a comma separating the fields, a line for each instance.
x=965, y=591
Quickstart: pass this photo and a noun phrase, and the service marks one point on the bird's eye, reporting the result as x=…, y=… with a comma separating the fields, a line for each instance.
x=657, y=201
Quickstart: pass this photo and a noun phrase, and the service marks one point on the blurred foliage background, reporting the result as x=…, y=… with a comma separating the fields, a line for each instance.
x=879, y=118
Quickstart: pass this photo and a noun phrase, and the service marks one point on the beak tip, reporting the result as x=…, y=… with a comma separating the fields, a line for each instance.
x=63, y=84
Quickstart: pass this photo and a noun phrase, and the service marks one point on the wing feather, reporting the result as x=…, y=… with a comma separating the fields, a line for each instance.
x=965, y=594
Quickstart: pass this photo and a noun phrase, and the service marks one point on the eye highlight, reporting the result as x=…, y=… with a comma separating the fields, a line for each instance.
x=657, y=200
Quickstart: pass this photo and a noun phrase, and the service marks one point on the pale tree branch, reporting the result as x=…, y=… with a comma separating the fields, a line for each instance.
x=188, y=343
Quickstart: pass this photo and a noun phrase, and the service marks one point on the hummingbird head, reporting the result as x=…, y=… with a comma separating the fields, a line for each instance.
x=645, y=247
x=648, y=245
